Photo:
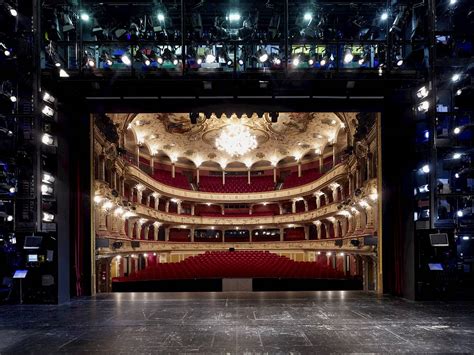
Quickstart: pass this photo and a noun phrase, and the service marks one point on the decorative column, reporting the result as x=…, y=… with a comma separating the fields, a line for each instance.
x=139, y=229
x=274, y=174
x=197, y=175
x=299, y=168
x=250, y=210
x=167, y=234
x=282, y=233
x=248, y=176
x=178, y=207
x=318, y=229
x=139, y=189
x=173, y=170
x=147, y=231
x=192, y=233
x=223, y=177
x=222, y=209
x=306, y=232
x=156, y=230
x=349, y=178
x=148, y=200
x=320, y=164
x=306, y=208
x=122, y=231
x=334, y=155
x=167, y=206
x=293, y=206
x=152, y=164
x=102, y=167
x=192, y=209
x=318, y=200
x=156, y=197
x=138, y=155
x=280, y=207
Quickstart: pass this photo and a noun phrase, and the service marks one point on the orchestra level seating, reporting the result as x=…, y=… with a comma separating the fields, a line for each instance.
x=237, y=264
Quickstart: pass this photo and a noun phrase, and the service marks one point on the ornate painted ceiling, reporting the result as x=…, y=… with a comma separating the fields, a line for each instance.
x=294, y=136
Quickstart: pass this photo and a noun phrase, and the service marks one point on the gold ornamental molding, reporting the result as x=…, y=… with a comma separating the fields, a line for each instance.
x=135, y=174
x=172, y=218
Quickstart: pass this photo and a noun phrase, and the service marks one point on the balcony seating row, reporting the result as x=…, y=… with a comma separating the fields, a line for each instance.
x=306, y=177
x=236, y=184
x=180, y=181
x=238, y=264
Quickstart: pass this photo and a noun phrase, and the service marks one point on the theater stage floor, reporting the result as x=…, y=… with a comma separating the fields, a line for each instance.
x=286, y=322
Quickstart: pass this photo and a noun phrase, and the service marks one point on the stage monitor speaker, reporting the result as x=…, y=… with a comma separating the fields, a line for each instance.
x=135, y=244
x=370, y=240
x=101, y=243
x=439, y=240
x=32, y=242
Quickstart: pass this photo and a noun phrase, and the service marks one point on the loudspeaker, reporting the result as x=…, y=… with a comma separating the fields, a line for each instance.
x=193, y=116
x=135, y=244
x=274, y=116
x=370, y=240
x=439, y=240
x=101, y=243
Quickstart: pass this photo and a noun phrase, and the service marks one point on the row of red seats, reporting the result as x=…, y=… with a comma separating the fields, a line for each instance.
x=179, y=181
x=306, y=177
x=238, y=264
x=219, y=214
x=236, y=184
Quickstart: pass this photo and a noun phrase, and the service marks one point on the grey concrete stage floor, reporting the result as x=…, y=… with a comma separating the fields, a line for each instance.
x=251, y=323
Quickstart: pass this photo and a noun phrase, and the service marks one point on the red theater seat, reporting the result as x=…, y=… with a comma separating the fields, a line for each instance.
x=238, y=264
x=180, y=181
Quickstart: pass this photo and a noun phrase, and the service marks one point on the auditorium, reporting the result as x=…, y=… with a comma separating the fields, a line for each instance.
x=234, y=176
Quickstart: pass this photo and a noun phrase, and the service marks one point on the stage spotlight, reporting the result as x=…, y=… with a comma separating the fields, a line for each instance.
x=422, y=92
x=455, y=77
x=452, y=2
x=380, y=69
x=457, y=130
x=457, y=156
x=48, y=98
x=47, y=139
x=458, y=92
x=348, y=56
x=262, y=55
x=425, y=168
x=175, y=61
x=399, y=61
x=210, y=58
x=63, y=73
x=46, y=189
x=460, y=213
x=12, y=11
x=423, y=106
x=296, y=61
x=308, y=16
x=159, y=60
x=13, y=98
x=48, y=178
x=12, y=190
x=241, y=62
x=161, y=17
x=384, y=16
x=47, y=111
x=276, y=60
x=456, y=175
x=126, y=60
x=323, y=61
x=233, y=17
x=48, y=217
x=85, y=17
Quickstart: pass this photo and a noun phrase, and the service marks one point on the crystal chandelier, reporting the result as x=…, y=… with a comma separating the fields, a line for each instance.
x=236, y=140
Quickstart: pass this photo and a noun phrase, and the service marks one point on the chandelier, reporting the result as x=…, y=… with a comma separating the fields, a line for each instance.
x=236, y=140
